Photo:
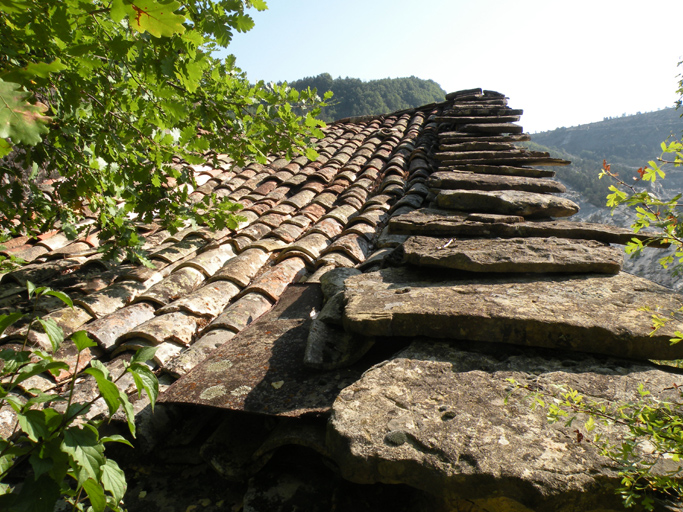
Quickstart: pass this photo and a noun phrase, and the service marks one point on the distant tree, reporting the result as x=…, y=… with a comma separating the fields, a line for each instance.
x=353, y=97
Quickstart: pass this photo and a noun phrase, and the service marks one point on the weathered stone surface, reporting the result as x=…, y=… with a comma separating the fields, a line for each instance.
x=273, y=379
x=435, y=222
x=329, y=347
x=514, y=255
x=507, y=170
x=333, y=310
x=589, y=313
x=198, y=351
x=473, y=181
x=333, y=281
x=434, y=417
x=508, y=202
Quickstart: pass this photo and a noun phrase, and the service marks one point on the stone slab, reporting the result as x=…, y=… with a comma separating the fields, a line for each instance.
x=436, y=222
x=473, y=181
x=536, y=255
x=585, y=313
x=440, y=418
x=507, y=202
x=261, y=369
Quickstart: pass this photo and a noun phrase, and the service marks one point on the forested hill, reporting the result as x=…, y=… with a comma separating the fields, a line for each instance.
x=353, y=97
x=626, y=142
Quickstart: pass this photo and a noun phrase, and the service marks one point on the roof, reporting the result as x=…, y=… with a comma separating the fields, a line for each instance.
x=236, y=315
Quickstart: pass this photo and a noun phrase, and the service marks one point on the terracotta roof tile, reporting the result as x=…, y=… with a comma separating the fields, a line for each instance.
x=241, y=313
x=176, y=285
x=274, y=281
x=242, y=268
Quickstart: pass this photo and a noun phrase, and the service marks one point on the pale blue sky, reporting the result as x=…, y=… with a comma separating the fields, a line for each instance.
x=564, y=63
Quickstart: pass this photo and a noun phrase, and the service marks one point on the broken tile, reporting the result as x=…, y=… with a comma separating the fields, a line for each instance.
x=353, y=245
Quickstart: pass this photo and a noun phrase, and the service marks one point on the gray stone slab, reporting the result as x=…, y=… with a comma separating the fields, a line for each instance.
x=507, y=170
x=435, y=222
x=536, y=255
x=440, y=418
x=507, y=202
x=474, y=181
x=261, y=370
x=588, y=313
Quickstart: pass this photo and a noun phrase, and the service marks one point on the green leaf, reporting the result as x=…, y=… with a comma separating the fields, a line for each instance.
x=43, y=69
x=84, y=447
x=54, y=332
x=7, y=320
x=19, y=120
x=82, y=340
x=155, y=17
x=95, y=494
x=143, y=354
x=114, y=480
x=61, y=296
x=109, y=391
x=312, y=154
x=36, y=495
x=116, y=439
x=145, y=379
x=38, y=424
x=32, y=369
x=5, y=147
x=130, y=413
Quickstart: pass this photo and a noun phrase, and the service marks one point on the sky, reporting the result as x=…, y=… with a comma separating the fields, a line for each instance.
x=564, y=63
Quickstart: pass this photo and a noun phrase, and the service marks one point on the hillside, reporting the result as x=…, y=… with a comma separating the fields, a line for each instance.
x=626, y=142
x=353, y=97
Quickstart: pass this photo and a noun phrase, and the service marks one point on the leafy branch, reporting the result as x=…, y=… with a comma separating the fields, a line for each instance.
x=56, y=452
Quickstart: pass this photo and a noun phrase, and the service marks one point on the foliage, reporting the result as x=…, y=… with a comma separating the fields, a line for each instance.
x=53, y=441
x=653, y=437
x=649, y=453
x=113, y=98
x=660, y=214
x=353, y=97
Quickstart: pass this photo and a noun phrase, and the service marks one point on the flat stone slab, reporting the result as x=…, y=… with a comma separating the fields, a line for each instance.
x=507, y=202
x=514, y=255
x=473, y=181
x=435, y=417
x=585, y=313
x=437, y=222
x=261, y=370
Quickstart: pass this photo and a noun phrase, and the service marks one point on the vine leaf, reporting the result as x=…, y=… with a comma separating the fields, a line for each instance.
x=19, y=120
x=154, y=16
